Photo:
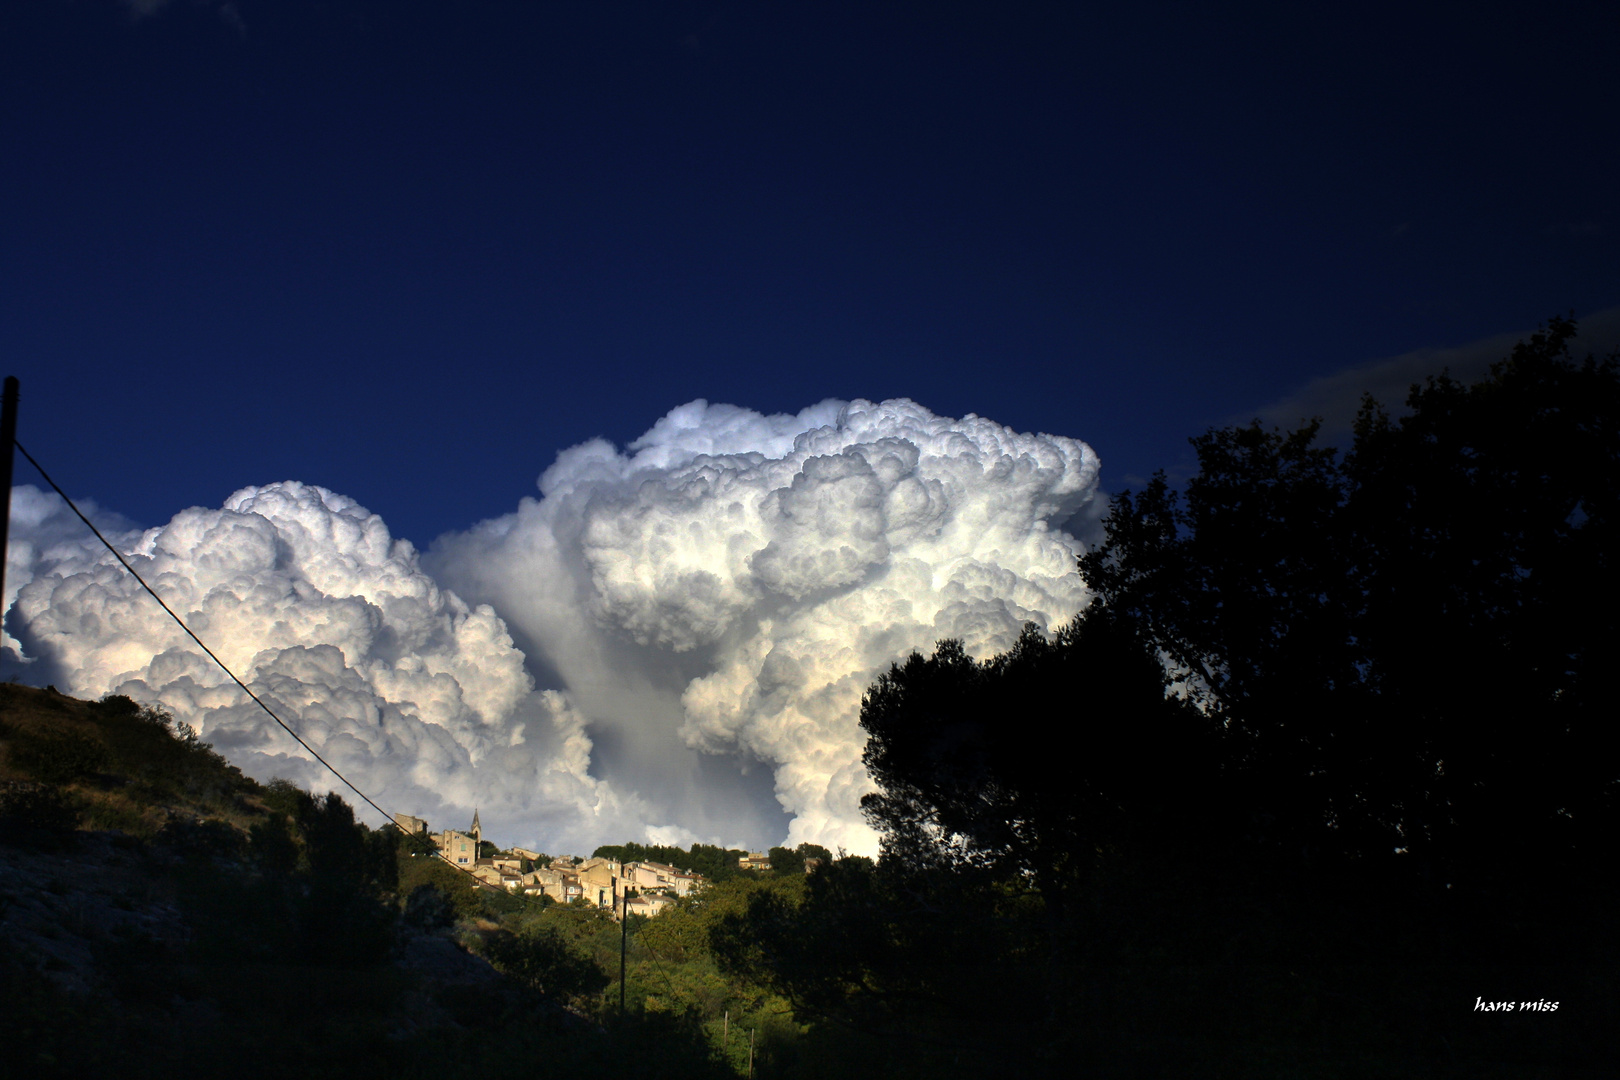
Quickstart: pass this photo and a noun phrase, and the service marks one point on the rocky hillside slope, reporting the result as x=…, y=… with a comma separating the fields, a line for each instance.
x=161, y=913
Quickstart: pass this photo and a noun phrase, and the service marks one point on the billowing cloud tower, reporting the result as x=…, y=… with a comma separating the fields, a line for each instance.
x=732, y=583
x=701, y=611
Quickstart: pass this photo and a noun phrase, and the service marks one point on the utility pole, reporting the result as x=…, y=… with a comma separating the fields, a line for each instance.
x=624, y=942
x=8, y=439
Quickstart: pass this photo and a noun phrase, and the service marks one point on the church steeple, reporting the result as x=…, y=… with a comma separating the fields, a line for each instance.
x=477, y=833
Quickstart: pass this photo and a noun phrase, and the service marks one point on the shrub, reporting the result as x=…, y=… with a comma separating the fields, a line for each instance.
x=429, y=908
x=58, y=757
x=36, y=814
x=539, y=957
x=202, y=839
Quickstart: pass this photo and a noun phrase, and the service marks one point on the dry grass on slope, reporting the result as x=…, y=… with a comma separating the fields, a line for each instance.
x=110, y=764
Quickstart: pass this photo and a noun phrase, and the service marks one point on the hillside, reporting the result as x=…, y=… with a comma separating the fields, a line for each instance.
x=161, y=913
x=112, y=765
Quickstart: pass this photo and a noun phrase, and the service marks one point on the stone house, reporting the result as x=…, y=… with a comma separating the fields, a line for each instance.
x=660, y=877
x=415, y=826
x=561, y=885
x=684, y=882
x=647, y=905
x=601, y=881
x=461, y=848
x=647, y=876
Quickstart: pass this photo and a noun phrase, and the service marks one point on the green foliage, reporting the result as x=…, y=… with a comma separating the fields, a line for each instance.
x=429, y=907
x=673, y=972
x=317, y=889
x=684, y=931
x=59, y=757
x=674, y=988
x=416, y=871
x=792, y=860
x=126, y=766
x=539, y=956
x=352, y=872
x=164, y=760
x=283, y=797
x=589, y=929
x=889, y=967
x=289, y=909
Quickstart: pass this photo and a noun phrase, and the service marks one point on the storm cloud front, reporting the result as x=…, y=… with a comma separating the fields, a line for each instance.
x=669, y=643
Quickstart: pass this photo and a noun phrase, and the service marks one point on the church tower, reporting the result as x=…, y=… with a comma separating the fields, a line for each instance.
x=477, y=834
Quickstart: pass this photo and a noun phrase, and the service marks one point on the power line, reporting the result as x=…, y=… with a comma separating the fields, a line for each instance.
x=182, y=624
x=270, y=712
x=673, y=997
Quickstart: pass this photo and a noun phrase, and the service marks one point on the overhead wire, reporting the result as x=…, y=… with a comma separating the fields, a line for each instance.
x=269, y=711
x=225, y=668
x=654, y=954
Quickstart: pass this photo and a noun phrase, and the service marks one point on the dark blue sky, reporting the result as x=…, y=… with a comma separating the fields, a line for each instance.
x=410, y=250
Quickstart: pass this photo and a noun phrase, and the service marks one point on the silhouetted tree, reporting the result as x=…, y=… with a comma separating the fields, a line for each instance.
x=1028, y=764
x=786, y=860
x=1315, y=692
x=1407, y=646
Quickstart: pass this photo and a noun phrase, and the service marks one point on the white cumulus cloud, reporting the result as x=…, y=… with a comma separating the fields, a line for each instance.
x=731, y=583
x=419, y=698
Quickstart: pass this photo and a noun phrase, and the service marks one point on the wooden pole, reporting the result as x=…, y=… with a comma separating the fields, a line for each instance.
x=8, y=440
x=624, y=943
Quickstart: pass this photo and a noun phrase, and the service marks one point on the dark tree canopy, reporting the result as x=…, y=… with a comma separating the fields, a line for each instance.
x=1027, y=761
x=1327, y=754
x=1406, y=643
x=791, y=860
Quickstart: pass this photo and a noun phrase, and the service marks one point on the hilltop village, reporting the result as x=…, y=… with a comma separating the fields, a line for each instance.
x=639, y=887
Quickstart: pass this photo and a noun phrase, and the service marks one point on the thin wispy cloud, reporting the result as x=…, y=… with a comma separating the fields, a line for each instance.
x=1336, y=398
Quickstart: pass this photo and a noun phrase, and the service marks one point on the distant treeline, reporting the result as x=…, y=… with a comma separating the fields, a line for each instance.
x=714, y=863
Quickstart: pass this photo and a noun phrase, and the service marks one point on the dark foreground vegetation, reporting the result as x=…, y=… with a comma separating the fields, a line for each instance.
x=164, y=915
x=1325, y=769
x=1326, y=765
